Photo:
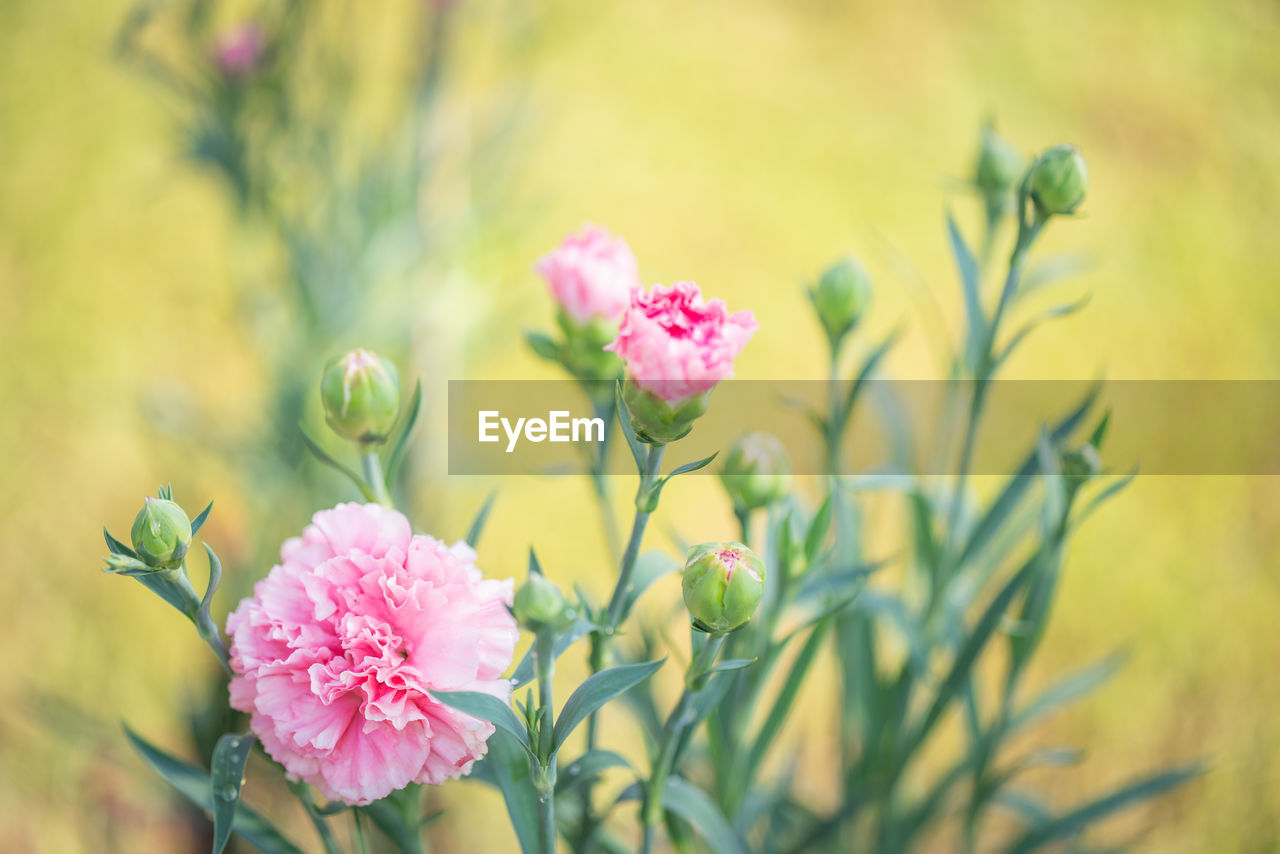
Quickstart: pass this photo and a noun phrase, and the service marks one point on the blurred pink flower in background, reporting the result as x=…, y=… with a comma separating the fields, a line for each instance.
x=591, y=275
x=677, y=345
x=237, y=52
x=336, y=650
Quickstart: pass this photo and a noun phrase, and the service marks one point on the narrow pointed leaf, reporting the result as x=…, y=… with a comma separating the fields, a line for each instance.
x=477, y=524
x=1066, y=690
x=649, y=567
x=693, y=466
x=323, y=456
x=406, y=429
x=638, y=450
x=116, y=547
x=227, y=776
x=506, y=767
x=488, y=708
x=1071, y=823
x=598, y=689
x=970, y=286
x=817, y=533
x=193, y=783
x=586, y=768
x=198, y=522
x=694, y=806
x=543, y=345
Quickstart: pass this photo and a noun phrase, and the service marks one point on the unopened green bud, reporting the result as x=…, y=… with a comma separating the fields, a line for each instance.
x=161, y=533
x=539, y=604
x=756, y=471
x=361, y=395
x=658, y=421
x=723, y=584
x=999, y=168
x=841, y=296
x=1058, y=180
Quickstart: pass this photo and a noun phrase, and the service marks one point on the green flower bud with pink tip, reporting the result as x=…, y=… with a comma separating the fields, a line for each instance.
x=161, y=534
x=723, y=584
x=361, y=395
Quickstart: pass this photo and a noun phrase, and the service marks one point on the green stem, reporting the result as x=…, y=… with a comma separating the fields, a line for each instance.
x=375, y=478
x=613, y=613
x=743, y=517
x=544, y=776
x=361, y=848
x=648, y=479
x=321, y=824
x=672, y=733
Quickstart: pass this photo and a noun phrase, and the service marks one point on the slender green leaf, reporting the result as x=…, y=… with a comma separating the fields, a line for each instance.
x=782, y=704
x=836, y=584
x=1057, y=311
x=973, y=646
x=1066, y=690
x=543, y=345
x=817, y=533
x=693, y=466
x=116, y=547
x=874, y=603
x=163, y=586
x=198, y=522
x=506, y=767
x=868, y=369
x=638, y=449
x=586, y=768
x=1106, y=494
x=323, y=456
x=1032, y=811
x=406, y=429
x=1071, y=823
x=488, y=708
x=970, y=285
x=227, y=776
x=215, y=579
x=193, y=783
x=649, y=567
x=535, y=568
x=694, y=806
x=732, y=664
x=598, y=689
x=477, y=524
x=1016, y=487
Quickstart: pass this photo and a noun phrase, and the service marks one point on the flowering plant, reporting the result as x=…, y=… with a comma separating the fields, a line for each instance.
x=372, y=661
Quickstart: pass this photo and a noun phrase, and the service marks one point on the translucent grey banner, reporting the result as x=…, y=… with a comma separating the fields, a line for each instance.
x=1201, y=427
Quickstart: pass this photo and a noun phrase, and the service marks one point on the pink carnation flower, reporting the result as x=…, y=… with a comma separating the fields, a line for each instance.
x=591, y=275
x=237, y=52
x=336, y=650
x=676, y=345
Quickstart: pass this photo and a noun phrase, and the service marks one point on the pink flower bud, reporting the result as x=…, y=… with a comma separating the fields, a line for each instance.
x=677, y=346
x=591, y=275
x=238, y=52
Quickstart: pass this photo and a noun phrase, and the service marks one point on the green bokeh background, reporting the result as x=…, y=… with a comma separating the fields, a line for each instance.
x=740, y=143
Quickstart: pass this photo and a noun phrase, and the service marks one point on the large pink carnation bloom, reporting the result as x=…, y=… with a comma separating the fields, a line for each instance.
x=676, y=345
x=591, y=275
x=335, y=652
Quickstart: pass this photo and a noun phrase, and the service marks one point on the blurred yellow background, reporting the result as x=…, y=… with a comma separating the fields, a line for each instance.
x=740, y=143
